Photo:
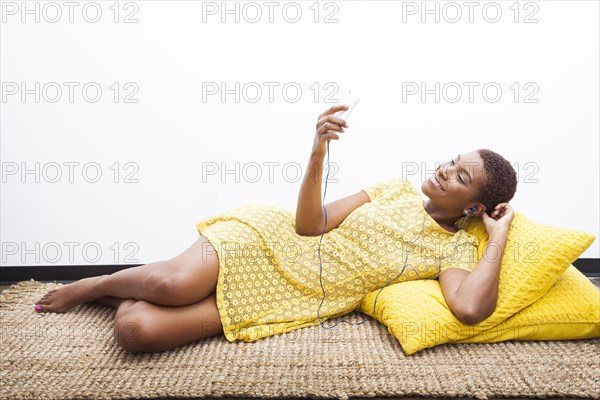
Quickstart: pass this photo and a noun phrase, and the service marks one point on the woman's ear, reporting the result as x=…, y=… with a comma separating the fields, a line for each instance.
x=479, y=210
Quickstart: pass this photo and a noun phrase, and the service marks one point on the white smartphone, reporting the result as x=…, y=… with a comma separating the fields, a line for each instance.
x=350, y=98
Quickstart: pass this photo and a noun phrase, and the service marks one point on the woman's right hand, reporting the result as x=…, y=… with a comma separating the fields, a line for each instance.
x=500, y=220
x=327, y=126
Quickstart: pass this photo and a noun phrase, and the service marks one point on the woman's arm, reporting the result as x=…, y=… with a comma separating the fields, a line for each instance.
x=309, y=211
x=472, y=296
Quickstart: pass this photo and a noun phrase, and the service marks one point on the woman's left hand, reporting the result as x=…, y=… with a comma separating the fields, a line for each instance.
x=500, y=220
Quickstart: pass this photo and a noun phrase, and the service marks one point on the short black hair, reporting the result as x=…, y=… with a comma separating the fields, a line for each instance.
x=500, y=183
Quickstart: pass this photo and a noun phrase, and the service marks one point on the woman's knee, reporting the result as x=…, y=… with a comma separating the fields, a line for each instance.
x=161, y=285
x=124, y=308
x=133, y=333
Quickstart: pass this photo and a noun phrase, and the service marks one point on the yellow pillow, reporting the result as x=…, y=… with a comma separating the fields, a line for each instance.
x=569, y=310
x=535, y=257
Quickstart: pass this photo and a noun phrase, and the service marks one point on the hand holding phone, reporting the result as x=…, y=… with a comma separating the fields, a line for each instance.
x=333, y=121
x=349, y=98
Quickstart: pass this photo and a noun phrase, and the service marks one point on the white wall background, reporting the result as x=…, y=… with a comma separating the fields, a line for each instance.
x=171, y=136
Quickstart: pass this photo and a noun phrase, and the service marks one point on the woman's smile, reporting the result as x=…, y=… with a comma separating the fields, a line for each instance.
x=434, y=179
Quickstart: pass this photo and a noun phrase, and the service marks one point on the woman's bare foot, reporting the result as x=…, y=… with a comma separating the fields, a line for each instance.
x=66, y=297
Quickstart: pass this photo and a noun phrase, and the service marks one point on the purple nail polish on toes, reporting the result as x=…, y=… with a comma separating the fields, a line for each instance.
x=38, y=308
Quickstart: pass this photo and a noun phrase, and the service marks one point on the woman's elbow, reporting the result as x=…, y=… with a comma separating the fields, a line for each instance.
x=301, y=232
x=472, y=315
x=299, y=229
x=469, y=318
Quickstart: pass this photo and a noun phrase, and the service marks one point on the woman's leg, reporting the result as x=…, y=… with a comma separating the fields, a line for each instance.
x=145, y=327
x=110, y=301
x=182, y=280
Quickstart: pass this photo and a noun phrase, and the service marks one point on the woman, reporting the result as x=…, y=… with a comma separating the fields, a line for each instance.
x=257, y=271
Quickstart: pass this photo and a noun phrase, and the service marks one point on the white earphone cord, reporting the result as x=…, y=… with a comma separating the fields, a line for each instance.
x=391, y=280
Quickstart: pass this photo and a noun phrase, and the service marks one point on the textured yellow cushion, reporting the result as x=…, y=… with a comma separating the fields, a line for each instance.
x=569, y=310
x=417, y=316
x=535, y=257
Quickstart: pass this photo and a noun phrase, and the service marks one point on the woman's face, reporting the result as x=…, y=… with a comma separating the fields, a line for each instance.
x=460, y=179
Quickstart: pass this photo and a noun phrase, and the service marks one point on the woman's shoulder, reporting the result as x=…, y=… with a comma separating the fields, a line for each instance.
x=468, y=237
x=260, y=211
x=404, y=188
x=393, y=185
x=394, y=189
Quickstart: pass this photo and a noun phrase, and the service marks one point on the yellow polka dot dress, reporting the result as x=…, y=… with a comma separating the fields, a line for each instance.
x=269, y=275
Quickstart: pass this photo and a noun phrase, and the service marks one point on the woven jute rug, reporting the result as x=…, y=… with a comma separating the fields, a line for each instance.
x=73, y=356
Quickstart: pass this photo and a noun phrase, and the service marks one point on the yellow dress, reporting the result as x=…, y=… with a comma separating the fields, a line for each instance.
x=269, y=275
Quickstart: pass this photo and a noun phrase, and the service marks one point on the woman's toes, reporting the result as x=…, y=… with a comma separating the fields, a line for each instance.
x=44, y=299
x=39, y=308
